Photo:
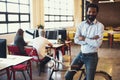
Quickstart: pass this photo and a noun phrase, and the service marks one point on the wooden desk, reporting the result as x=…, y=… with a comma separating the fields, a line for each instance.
x=13, y=60
x=61, y=47
x=56, y=47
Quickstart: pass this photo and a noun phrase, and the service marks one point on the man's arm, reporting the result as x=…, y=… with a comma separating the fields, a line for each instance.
x=96, y=41
x=79, y=39
x=50, y=44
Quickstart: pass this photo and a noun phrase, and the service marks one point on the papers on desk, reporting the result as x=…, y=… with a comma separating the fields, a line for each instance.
x=30, y=43
x=52, y=41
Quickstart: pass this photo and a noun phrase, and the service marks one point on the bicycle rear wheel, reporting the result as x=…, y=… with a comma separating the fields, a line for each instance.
x=101, y=75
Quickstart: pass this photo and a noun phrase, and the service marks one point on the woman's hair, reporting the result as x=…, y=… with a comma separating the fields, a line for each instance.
x=93, y=6
x=20, y=32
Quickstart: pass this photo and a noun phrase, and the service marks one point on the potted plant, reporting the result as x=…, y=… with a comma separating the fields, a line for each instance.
x=40, y=26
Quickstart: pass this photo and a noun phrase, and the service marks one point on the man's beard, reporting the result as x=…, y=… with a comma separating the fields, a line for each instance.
x=91, y=17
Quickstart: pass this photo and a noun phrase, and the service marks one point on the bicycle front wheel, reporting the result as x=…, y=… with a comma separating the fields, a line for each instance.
x=101, y=75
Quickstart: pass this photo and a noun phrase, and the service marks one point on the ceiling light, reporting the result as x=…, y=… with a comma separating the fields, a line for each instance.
x=106, y=1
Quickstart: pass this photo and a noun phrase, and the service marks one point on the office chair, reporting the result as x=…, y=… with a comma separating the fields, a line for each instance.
x=35, y=57
x=14, y=50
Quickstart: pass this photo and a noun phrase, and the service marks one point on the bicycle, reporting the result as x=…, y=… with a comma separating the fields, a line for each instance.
x=99, y=75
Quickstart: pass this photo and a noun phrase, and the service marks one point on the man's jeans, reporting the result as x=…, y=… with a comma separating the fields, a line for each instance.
x=90, y=60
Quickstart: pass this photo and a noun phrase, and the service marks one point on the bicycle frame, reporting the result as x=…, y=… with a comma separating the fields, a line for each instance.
x=103, y=74
x=54, y=69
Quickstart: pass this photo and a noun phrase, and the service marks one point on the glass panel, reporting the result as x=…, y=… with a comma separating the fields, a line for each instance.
x=63, y=18
x=61, y=24
x=70, y=18
x=25, y=26
x=56, y=17
x=12, y=17
x=52, y=18
x=59, y=7
x=57, y=24
x=3, y=28
x=46, y=3
x=46, y=24
x=24, y=9
x=49, y=25
x=12, y=7
x=46, y=10
x=2, y=7
x=63, y=12
x=69, y=24
x=2, y=17
x=51, y=11
x=2, y=0
x=16, y=1
x=57, y=12
x=51, y=4
x=24, y=1
x=45, y=18
x=13, y=27
x=24, y=18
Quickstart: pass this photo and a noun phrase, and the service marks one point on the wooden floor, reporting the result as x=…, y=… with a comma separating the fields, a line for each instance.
x=109, y=61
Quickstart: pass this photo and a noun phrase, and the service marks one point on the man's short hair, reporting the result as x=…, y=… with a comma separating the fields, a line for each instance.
x=93, y=6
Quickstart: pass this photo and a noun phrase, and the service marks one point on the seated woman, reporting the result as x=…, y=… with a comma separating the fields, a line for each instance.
x=19, y=41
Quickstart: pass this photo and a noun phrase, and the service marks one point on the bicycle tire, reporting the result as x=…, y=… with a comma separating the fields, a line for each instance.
x=101, y=75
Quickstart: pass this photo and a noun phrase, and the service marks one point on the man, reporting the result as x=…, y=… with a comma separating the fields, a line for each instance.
x=39, y=43
x=89, y=35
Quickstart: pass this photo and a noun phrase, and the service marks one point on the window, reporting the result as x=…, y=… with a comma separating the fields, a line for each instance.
x=58, y=13
x=14, y=14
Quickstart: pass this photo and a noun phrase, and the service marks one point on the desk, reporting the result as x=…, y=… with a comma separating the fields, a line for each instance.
x=56, y=47
x=61, y=47
x=13, y=60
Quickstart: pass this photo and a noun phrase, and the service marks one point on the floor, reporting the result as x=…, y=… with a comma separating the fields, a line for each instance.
x=109, y=61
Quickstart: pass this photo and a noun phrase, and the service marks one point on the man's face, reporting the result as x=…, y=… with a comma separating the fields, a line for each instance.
x=91, y=14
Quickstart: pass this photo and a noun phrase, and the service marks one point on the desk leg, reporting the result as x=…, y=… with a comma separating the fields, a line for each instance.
x=70, y=48
x=70, y=51
x=111, y=40
x=55, y=50
x=13, y=74
x=63, y=50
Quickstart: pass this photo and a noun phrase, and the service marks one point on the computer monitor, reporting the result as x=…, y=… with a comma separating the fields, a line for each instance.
x=63, y=34
x=30, y=33
x=51, y=34
x=3, y=53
